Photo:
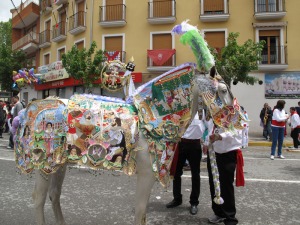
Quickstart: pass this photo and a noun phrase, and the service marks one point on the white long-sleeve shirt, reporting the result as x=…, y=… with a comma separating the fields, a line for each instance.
x=295, y=120
x=279, y=118
x=230, y=141
x=195, y=129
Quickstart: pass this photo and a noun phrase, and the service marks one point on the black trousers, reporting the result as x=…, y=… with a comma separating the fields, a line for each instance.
x=294, y=135
x=1, y=127
x=193, y=153
x=226, y=163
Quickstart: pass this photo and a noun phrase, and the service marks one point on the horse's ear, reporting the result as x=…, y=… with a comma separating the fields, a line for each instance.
x=213, y=72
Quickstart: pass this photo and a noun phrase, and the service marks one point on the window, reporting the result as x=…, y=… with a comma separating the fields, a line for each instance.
x=271, y=53
x=60, y=52
x=161, y=55
x=78, y=89
x=80, y=45
x=213, y=6
x=215, y=39
x=47, y=59
x=113, y=46
x=114, y=10
x=268, y=5
x=163, y=8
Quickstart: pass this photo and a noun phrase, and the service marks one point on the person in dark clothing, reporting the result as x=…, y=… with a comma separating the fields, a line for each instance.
x=266, y=119
x=298, y=108
x=2, y=117
x=189, y=149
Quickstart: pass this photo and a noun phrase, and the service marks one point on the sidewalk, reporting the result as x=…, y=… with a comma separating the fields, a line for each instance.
x=256, y=139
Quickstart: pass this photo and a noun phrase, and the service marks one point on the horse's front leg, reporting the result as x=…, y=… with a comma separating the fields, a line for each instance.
x=55, y=192
x=145, y=181
x=39, y=196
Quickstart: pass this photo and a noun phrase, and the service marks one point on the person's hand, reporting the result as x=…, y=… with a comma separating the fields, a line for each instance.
x=205, y=149
x=215, y=137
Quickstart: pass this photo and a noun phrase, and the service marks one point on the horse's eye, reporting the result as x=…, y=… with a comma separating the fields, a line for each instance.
x=224, y=91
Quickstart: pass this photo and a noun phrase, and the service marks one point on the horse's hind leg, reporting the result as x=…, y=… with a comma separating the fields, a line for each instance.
x=39, y=196
x=55, y=192
x=145, y=181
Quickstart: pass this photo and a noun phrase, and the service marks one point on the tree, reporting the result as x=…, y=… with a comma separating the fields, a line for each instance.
x=84, y=65
x=9, y=60
x=236, y=61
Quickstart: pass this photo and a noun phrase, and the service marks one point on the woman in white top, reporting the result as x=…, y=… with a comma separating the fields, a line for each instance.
x=279, y=119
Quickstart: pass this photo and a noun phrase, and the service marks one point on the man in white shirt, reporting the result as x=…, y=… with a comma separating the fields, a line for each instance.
x=295, y=126
x=189, y=149
x=226, y=146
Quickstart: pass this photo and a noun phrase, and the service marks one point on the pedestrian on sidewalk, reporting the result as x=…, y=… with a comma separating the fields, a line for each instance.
x=2, y=118
x=266, y=119
x=298, y=108
x=279, y=120
x=295, y=126
x=189, y=149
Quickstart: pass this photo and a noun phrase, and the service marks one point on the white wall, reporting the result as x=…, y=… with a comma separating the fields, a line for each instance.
x=252, y=98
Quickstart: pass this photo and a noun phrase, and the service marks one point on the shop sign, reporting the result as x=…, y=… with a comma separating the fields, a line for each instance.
x=54, y=71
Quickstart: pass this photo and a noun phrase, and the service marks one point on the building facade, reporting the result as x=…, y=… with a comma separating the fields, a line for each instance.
x=142, y=29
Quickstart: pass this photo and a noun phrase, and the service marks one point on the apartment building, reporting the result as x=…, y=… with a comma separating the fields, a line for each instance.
x=142, y=29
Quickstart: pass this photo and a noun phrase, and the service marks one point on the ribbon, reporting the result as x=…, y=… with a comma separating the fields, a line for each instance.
x=239, y=176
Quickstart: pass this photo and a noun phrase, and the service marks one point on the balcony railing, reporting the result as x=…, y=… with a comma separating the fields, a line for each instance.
x=112, y=15
x=115, y=55
x=59, y=31
x=27, y=39
x=77, y=23
x=45, y=38
x=160, y=12
x=274, y=55
x=269, y=9
x=214, y=10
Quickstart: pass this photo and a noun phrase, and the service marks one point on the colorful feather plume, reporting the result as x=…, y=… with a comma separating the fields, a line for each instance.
x=192, y=37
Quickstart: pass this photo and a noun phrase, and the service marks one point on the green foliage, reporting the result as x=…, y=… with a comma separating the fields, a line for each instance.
x=84, y=65
x=236, y=61
x=9, y=60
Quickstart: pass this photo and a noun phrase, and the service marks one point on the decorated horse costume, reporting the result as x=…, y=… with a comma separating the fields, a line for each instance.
x=110, y=133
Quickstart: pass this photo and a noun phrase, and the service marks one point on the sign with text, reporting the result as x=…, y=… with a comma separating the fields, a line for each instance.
x=282, y=85
x=54, y=71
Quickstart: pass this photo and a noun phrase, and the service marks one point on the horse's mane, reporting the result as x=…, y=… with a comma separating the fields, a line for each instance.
x=205, y=83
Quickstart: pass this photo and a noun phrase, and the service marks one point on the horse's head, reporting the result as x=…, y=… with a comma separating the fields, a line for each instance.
x=216, y=97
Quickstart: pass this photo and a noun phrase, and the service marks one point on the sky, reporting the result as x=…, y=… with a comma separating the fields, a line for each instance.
x=5, y=7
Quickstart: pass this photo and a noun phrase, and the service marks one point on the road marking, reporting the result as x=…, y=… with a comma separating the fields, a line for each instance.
x=202, y=177
x=275, y=158
x=256, y=180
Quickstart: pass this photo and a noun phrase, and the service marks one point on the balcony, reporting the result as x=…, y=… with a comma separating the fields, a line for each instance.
x=45, y=39
x=46, y=7
x=59, y=2
x=112, y=15
x=274, y=58
x=115, y=55
x=214, y=10
x=164, y=60
x=269, y=9
x=77, y=23
x=28, y=43
x=162, y=12
x=59, y=32
x=29, y=13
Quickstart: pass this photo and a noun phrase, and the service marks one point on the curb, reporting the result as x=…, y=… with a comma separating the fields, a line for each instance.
x=268, y=144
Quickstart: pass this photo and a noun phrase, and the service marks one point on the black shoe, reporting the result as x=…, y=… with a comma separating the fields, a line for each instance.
x=173, y=204
x=193, y=209
x=1, y=137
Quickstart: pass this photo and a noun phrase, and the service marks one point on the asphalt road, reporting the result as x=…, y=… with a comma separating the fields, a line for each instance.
x=271, y=195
